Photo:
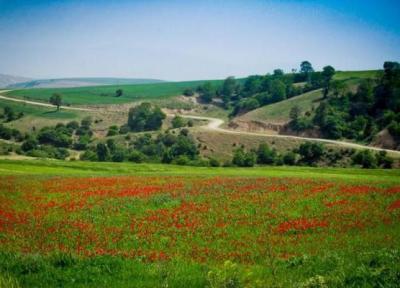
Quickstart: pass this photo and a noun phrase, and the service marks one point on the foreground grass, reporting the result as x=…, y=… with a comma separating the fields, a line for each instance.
x=57, y=167
x=85, y=224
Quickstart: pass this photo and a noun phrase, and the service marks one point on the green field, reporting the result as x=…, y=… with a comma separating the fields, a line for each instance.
x=106, y=94
x=78, y=224
x=348, y=75
x=38, y=111
x=279, y=112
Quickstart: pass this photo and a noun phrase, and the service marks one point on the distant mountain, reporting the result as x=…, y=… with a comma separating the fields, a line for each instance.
x=7, y=80
x=79, y=82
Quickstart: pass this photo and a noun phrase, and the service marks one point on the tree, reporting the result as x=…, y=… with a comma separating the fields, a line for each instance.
x=365, y=158
x=102, y=152
x=228, y=89
x=243, y=159
x=56, y=100
x=311, y=152
x=265, y=155
x=188, y=92
x=278, y=90
x=145, y=117
x=178, y=122
x=119, y=92
x=306, y=68
x=289, y=158
x=278, y=72
x=207, y=92
x=9, y=114
x=327, y=74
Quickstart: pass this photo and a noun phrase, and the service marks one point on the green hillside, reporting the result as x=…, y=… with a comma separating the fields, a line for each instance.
x=280, y=111
x=106, y=94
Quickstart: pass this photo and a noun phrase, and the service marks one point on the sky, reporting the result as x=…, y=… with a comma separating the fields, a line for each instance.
x=186, y=40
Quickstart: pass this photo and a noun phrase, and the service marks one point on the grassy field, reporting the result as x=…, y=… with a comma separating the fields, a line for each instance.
x=106, y=94
x=138, y=92
x=279, y=112
x=38, y=111
x=348, y=75
x=68, y=224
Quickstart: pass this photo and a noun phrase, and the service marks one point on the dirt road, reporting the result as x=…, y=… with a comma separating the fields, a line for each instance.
x=214, y=124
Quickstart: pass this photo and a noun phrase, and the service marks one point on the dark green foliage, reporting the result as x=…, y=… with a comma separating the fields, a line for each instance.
x=265, y=155
x=86, y=122
x=59, y=136
x=145, y=117
x=136, y=156
x=311, y=152
x=102, y=152
x=113, y=130
x=72, y=125
x=56, y=100
x=289, y=158
x=178, y=122
x=30, y=144
x=229, y=89
x=214, y=162
x=188, y=92
x=242, y=158
x=10, y=114
x=365, y=158
x=360, y=115
x=206, y=92
x=119, y=92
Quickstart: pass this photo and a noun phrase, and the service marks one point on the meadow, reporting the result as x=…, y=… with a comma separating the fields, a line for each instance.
x=69, y=224
x=138, y=92
x=106, y=94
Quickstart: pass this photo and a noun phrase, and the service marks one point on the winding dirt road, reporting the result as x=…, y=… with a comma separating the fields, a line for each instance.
x=214, y=124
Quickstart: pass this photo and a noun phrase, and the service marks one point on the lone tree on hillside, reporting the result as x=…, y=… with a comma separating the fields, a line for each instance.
x=119, y=92
x=306, y=69
x=56, y=100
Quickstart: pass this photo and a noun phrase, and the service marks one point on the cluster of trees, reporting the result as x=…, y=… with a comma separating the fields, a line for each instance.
x=359, y=115
x=310, y=154
x=169, y=147
x=256, y=91
x=145, y=117
x=54, y=142
x=7, y=133
x=9, y=114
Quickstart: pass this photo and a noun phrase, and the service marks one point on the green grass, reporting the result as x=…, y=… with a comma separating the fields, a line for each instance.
x=81, y=168
x=38, y=111
x=347, y=75
x=280, y=111
x=106, y=94
x=78, y=224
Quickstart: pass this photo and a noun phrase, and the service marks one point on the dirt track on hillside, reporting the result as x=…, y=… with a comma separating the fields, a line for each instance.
x=214, y=124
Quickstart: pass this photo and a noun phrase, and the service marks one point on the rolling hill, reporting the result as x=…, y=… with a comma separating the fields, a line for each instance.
x=79, y=82
x=7, y=80
x=106, y=94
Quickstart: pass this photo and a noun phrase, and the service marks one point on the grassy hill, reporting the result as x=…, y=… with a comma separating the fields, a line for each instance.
x=106, y=94
x=279, y=112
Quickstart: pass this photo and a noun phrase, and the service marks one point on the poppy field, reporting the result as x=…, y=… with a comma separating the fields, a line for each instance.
x=198, y=231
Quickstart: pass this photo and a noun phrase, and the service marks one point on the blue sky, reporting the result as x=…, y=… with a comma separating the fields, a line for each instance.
x=183, y=40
